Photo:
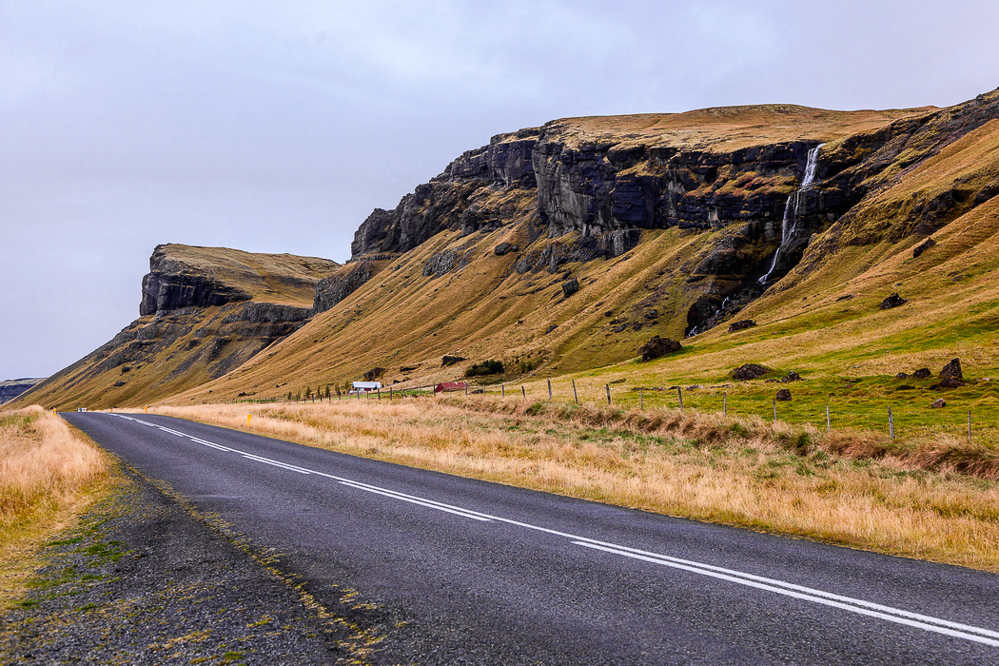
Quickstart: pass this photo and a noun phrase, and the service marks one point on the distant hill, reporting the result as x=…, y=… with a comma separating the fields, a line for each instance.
x=12, y=388
x=563, y=248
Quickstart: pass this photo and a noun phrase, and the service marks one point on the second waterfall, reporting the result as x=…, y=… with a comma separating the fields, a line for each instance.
x=789, y=223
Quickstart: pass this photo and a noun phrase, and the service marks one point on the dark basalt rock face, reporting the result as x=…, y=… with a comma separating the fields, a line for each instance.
x=444, y=202
x=268, y=313
x=335, y=288
x=599, y=187
x=170, y=285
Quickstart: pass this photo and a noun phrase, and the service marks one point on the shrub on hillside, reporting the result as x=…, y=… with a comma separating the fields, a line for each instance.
x=490, y=367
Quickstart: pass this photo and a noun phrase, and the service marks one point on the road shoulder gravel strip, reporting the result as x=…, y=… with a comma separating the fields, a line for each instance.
x=142, y=580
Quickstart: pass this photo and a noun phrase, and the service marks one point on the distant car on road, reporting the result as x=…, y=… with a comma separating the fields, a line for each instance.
x=81, y=409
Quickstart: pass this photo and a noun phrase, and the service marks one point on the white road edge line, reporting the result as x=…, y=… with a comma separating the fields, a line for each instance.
x=889, y=613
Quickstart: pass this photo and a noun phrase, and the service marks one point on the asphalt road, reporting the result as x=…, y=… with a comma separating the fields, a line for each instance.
x=451, y=570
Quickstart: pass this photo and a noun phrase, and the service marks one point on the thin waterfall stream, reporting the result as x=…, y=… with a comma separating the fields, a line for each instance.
x=789, y=223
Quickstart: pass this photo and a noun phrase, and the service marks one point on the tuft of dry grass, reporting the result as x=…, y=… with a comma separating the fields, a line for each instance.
x=48, y=475
x=745, y=472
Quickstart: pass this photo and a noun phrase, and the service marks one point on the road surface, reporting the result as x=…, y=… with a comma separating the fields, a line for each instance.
x=452, y=570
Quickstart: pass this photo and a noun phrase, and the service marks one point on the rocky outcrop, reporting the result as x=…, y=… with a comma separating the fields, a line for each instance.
x=741, y=325
x=184, y=276
x=893, y=301
x=446, y=261
x=335, y=288
x=749, y=371
x=600, y=186
x=205, y=312
x=268, y=313
x=657, y=347
x=446, y=202
x=952, y=369
x=169, y=286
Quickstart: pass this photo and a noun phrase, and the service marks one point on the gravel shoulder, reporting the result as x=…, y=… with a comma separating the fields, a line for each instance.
x=142, y=579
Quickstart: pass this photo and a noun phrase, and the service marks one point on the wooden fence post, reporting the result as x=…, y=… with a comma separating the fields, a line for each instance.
x=549, y=390
x=969, y=426
x=502, y=390
x=574, y=394
x=891, y=424
x=679, y=395
x=523, y=391
x=641, y=399
x=607, y=386
x=725, y=403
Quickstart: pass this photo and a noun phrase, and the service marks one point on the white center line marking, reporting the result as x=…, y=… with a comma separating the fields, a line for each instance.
x=859, y=606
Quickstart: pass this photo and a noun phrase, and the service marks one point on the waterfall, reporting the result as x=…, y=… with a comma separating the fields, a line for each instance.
x=788, y=224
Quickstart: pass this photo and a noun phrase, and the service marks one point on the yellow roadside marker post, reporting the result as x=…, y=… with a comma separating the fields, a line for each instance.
x=247, y=420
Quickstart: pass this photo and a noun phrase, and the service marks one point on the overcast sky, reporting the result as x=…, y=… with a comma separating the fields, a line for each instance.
x=278, y=126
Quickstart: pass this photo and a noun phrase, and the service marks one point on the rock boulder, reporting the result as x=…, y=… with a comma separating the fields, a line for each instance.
x=952, y=369
x=749, y=371
x=741, y=325
x=657, y=347
x=893, y=301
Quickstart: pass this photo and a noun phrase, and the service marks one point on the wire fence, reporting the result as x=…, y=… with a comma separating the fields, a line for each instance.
x=896, y=420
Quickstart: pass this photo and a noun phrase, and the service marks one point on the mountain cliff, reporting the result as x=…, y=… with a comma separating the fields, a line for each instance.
x=563, y=248
x=666, y=224
x=203, y=313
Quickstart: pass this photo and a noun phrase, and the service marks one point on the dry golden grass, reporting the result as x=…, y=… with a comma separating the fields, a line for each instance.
x=743, y=472
x=729, y=128
x=48, y=475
